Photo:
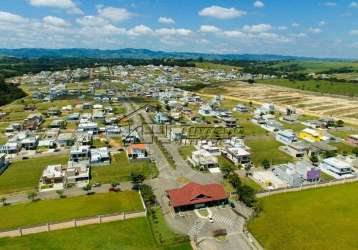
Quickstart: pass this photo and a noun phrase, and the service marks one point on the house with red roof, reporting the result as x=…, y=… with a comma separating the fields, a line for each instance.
x=137, y=151
x=194, y=195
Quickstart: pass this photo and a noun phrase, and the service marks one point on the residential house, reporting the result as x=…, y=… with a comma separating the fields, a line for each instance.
x=161, y=118
x=88, y=127
x=10, y=148
x=137, y=151
x=286, y=136
x=65, y=139
x=322, y=148
x=75, y=117
x=112, y=131
x=176, y=134
x=336, y=167
x=203, y=160
x=59, y=123
x=206, y=110
x=53, y=178
x=100, y=156
x=310, y=135
x=236, y=155
x=77, y=173
x=241, y=108
x=297, y=149
x=286, y=173
x=80, y=153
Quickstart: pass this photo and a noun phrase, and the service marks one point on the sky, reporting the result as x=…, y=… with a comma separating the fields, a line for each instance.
x=295, y=27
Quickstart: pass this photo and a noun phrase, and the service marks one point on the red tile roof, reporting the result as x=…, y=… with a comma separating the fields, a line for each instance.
x=194, y=193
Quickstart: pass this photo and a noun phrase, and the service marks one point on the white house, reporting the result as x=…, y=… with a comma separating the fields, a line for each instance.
x=100, y=156
x=286, y=136
x=237, y=155
x=336, y=167
x=203, y=160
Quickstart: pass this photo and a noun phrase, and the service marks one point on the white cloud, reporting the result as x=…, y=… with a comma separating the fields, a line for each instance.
x=234, y=34
x=208, y=29
x=299, y=35
x=55, y=21
x=354, y=32
x=282, y=27
x=140, y=30
x=330, y=4
x=322, y=23
x=68, y=5
x=221, y=12
x=173, y=32
x=258, y=28
x=166, y=20
x=92, y=21
x=295, y=24
x=315, y=30
x=353, y=5
x=115, y=14
x=259, y=4
x=11, y=18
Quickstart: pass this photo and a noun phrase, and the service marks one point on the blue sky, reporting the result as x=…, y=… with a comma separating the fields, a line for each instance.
x=294, y=27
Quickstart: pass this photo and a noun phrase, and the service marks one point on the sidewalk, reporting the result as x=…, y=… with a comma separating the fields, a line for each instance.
x=72, y=192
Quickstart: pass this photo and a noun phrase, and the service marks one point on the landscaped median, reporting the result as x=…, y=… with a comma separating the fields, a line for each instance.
x=51, y=211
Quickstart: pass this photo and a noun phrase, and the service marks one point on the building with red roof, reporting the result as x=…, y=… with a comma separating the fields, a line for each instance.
x=194, y=195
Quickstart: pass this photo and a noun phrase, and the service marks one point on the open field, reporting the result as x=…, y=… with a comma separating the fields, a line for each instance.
x=43, y=211
x=324, y=218
x=121, y=168
x=266, y=148
x=308, y=103
x=125, y=235
x=24, y=175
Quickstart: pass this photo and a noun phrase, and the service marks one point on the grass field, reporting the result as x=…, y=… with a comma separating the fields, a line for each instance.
x=318, y=66
x=43, y=211
x=266, y=147
x=186, y=151
x=131, y=234
x=162, y=234
x=325, y=218
x=121, y=168
x=336, y=88
x=24, y=175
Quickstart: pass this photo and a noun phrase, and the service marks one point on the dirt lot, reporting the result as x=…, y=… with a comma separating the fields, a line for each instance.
x=344, y=108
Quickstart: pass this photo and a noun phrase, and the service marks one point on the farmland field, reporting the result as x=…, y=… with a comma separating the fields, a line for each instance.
x=69, y=208
x=324, y=218
x=24, y=175
x=337, y=88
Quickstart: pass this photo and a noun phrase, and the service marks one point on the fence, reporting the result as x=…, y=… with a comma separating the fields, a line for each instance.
x=48, y=227
x=308, y=186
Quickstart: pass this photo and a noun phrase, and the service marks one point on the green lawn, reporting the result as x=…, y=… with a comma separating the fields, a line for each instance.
x=131, y=234
x=43, y=211
x=325, y=218
x=249, y=182
x=121, y=168
x=24, y=175
x=162, y=234
x=266, y=147
x=186, y=151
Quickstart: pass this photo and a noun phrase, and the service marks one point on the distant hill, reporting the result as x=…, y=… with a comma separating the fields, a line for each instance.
x=141, y=54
